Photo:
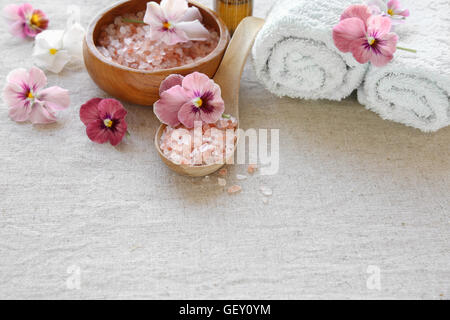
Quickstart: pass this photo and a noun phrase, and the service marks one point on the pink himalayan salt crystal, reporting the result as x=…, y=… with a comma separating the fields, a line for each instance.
x=221, y=182
x=252, y=168
x=234, y=189
x=223, y=172
x=210, y=144
x=128, y=44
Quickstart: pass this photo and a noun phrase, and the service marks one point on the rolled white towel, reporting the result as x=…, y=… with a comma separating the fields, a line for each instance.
x=414, y=89
x=294, y=53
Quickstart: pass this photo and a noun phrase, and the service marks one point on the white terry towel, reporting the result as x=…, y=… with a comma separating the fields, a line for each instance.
x=294, y=53
x=414, y=89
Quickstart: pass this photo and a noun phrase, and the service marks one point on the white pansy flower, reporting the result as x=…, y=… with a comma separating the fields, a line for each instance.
x=55, y=49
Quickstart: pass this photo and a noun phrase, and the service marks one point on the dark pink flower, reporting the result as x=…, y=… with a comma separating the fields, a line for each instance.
x=367, y=37
x=24, y=21
x=104, y=120
x=185, y=100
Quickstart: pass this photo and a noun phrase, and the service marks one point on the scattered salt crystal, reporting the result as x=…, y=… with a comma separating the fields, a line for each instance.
x=251, y=168
x=241, y=177
x=265, y=200
x=221, y=182
x=266, y=190
x=223, y=172
x=234, y=189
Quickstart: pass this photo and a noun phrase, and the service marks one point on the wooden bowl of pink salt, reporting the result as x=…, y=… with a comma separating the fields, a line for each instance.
x=126, y=64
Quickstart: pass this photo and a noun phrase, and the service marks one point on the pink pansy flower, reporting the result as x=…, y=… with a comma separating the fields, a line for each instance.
x=193, y=98
x=367, y=37
x=104, y=120
x=173, y=21
x=28, y=100
x=392, y=9
x=24, y=21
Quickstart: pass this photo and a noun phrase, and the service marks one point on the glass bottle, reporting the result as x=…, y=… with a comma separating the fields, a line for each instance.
x=233, y=11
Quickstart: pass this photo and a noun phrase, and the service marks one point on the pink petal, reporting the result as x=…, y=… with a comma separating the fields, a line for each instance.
x=111, y=108
x=188, y=114
x=192, y=14
x=89, y=111
x=97, y=132
x=378, y=24
x=37, y=79
x=25, y=10
x=18, y=76
x=393, y=4
x=30, y=32
x=357, y=11
x=11, y=12
x=174, y=10
x=171, y=37
x=167, y=107
x=404, y=13
x=55, y=98
x=197, y=83
x=380, y=60
x=40, y=115
x=217, y=103
x=359, y=51
x=13, y=95
x=170, y=81
x=154, y=16
x=17, y=29
x=20, y=113
x=388, y=44
x=194, y=30
x=347, y=31
x=116, y=136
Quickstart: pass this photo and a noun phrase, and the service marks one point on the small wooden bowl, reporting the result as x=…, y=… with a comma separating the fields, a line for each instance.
x=136, y=86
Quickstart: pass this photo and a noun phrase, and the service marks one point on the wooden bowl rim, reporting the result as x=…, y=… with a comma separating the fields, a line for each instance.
x=224, y=37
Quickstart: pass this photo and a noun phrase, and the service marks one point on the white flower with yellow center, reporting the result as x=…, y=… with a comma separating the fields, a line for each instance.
x=55, y=49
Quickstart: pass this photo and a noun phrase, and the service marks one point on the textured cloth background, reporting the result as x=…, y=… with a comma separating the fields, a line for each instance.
x=352, y=191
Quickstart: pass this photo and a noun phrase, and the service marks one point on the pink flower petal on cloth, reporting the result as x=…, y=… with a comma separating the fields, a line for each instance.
x=393, y=4
x=37, y=79
x=13, y=95
x=20, y=113
x=174, y=10
x=188, y=115
x=55, y=98
x=17, y=29
x=11, y=12
x=41, y=115
x=357, y=11
x=404, y=13
x=170, y=81
x=154, y=15
x=194, y=30
x=18, y=76
x=360, y=53
x=97, y=132
x=197, y=83
x=192, y=13
x=347, y=31
x=168, y=106
x=30, y=32
x=112, y=109
x=381, y=25
x=89, y=111
x=25, y=10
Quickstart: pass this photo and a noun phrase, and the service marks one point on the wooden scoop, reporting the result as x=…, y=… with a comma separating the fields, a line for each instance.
x=228, y=77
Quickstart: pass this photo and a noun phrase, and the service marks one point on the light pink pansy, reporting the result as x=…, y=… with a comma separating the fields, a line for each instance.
x=104, y=120
x=172, y=21
x=367, y=37
x=27, y=99
x=188, y=99
x=24, y=21
x=392, y=9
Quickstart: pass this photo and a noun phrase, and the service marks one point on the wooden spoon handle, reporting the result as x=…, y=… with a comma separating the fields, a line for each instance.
x=228, y=76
